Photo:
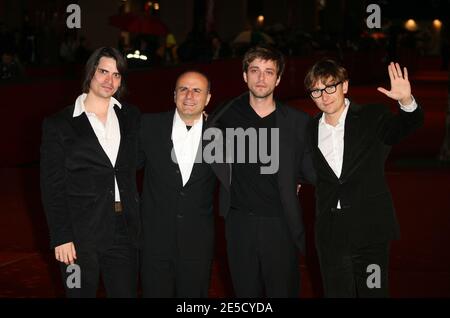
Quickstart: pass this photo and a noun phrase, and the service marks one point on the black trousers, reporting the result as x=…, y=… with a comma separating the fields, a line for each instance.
x=262, y=257
x=355, y=271
x=118, y=267
x=168, y=278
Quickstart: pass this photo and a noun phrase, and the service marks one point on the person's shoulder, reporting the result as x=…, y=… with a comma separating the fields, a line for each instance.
x=227, y=107
x=293, y=112
x=60, y=116
x=59, y=121
x=131, y=109
x=157, y=119
x=369, y=109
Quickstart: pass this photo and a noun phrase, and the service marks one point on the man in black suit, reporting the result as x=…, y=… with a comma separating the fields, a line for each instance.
x=88, y=183
x=258, y=198
x=355, y=215
x=177, y=197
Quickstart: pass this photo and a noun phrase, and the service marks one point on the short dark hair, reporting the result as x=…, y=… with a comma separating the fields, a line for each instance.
x=198, y=72
x=92, y=63
x=323, y=70
x=266, y=53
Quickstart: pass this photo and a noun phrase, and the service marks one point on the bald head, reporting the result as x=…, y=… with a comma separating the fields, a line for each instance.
x=193, y=72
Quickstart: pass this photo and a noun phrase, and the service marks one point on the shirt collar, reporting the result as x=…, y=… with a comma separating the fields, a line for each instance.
x=80, y=108
x=341, y=120
x=178, y=122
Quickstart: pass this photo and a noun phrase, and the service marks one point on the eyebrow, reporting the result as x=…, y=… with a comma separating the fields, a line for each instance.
x=331, y=83
x=265, y=69
x=193, y=88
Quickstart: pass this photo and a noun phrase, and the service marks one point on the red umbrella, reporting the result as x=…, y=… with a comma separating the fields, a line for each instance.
x=139, y=23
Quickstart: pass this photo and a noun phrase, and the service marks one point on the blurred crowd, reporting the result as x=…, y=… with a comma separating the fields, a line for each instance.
x=41, y=48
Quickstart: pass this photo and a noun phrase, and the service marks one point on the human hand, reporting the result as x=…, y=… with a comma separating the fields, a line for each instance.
x=400, y=86
x=66, y=253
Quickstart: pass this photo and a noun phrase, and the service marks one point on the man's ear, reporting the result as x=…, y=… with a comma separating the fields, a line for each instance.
x=245, y=76
x=278, y=80
x=207, y=99
x=175, y=97
x=345, y=87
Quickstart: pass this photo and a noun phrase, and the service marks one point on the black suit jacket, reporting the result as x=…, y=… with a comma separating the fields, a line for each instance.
x=77, y=179
x=295, y=164
x=368, y=212
x=178, y=221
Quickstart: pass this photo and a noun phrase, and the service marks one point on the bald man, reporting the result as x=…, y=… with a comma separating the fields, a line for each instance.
x=177, y=198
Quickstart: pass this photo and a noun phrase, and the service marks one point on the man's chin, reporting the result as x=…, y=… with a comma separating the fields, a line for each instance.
x=261, y=94
x=191, y=114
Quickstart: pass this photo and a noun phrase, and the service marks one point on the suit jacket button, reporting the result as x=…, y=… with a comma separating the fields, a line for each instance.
x=182, y=193
x=179, y=215
x=177, y=171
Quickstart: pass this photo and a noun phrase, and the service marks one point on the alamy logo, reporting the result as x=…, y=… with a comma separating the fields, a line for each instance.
x=373, y=21
x=241, y=146
x=74, y=279
x=74, y=19
x=374, y=279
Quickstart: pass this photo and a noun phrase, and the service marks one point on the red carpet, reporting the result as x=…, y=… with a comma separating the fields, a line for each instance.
x=420, y=262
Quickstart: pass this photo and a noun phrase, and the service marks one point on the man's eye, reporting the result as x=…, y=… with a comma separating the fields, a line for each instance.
x=117, y=75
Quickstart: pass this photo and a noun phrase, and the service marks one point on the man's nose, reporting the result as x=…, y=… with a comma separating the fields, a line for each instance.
x=325, y=96
x=109, y=78
x=261, y=76
x=190, y=93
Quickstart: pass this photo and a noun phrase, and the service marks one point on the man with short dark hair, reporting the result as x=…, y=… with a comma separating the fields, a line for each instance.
x=258, y=198
x=355, y=214
x=88, y=183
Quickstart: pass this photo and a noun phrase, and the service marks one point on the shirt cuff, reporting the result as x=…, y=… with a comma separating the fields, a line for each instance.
x=409, y=108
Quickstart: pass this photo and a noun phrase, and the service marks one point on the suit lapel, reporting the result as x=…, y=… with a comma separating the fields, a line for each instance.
x=83, y=128
x=351, y=136
x=318, y=153
x=123, y=124
x=169, y=149
x=285, y=153
x=198, y=163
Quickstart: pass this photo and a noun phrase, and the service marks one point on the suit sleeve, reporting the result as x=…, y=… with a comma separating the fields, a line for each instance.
x=141, y=156
x=307, y=170
x=53, y=188
x=393, y=128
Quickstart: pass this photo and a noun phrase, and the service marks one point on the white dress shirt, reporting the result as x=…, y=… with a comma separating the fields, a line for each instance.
x=108, y=134
x=185, y=143
x=331, y=139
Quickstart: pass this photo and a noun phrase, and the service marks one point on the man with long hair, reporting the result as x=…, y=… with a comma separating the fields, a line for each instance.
x=88, y=160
